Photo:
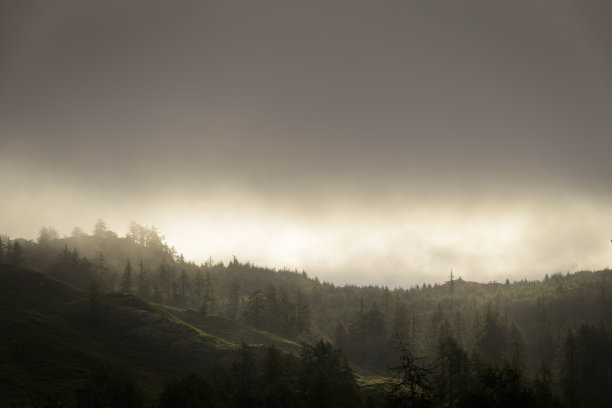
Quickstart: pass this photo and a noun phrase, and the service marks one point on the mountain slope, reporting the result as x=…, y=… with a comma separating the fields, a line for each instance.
x=52, y=337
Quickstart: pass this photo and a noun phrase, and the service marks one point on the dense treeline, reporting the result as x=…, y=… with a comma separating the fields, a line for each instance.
x=319, y=377
x=541, y=343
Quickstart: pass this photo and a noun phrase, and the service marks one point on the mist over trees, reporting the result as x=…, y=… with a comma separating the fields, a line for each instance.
x=456, y=344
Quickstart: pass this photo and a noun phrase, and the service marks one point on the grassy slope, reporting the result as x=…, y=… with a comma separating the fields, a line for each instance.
x=51, y=341
x=233, y=331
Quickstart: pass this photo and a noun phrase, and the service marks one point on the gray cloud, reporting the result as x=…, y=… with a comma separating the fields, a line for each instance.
x=315, y=111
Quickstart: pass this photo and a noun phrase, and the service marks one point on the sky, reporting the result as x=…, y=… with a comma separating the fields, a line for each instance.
x=364, y=142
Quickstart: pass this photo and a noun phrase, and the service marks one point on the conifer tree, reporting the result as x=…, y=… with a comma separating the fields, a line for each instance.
x=100, y=269
x=340, y=335
x=210, y=292
x=164, y=280
x=303, y=313
x=15, y=256
x=245, y=373
x=142, y=286
x=409, y=385
x=99, y=229
x=254, y=313
x=234, y=300
x=183, y=288
x=198, y=287
x=126, y=280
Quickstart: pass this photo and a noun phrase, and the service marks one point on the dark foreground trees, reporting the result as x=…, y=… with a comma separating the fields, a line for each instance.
x=319, y=377
x=410, y=384
x=327, y=380
x=192, y=391
x=109, y=387
x=586, y=367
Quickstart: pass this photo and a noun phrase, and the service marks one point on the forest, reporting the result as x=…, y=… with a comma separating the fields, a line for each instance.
x=97, y=320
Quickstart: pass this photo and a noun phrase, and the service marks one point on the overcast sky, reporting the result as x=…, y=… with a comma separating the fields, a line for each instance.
x=369, y=142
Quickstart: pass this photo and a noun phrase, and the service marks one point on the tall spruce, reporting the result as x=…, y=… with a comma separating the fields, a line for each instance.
x=126, y=280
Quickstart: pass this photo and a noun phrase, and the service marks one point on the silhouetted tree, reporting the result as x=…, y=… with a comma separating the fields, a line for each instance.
x=100, y=269
x=164, y=279
x=542, y=388
x=493, y=340
x=340, y=336
x=234, y=300
x=451, y=372
x=254, y=312
x=99, y=229
x=271, y=306
x=409, y=384
x=199, y=286
x=286, y=313
x=303, y=313
x=126, y=280
x=516, y=353
x=498, y=387
x=142, y=283
x=585, y=374
x=327, y=380
x=244, y=369
x=46, y=235
x=367, y=336
x=209, y=292
x=14, y=253
x=77, y=232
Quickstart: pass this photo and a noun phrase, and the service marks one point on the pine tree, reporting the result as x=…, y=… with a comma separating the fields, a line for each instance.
x=285, y=308
x=15, y=256
x=234, y=300
x=271, y=308
x=183, y=288
x=326, y=377
x=77, y=232
x=303, y=314
x=386, y=300
x=409, y=385
x=516, y=353
x=401, y=321
x=142, y=285
x=245, y=373
x=494, y=337
x=254, y=313
x=459, y=328
x=210, y=287
x=100, y=269
x=451, y=372
x=126, y=281
x=163, y=272
x=99, y=229
x=198, y=288
x=340, y=336
x=46, y=235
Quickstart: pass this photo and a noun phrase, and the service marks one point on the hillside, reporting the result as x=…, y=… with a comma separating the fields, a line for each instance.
x=53, y=337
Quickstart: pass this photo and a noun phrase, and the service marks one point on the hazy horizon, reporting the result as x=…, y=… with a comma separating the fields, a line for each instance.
x=363, y=143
